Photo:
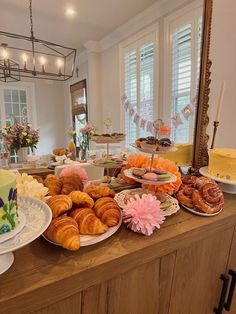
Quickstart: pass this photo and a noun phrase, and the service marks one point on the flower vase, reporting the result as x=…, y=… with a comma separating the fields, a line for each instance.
x=22, y=155
x=83, y=153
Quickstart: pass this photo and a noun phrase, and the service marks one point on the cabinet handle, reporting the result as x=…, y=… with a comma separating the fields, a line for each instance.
x=227, y=305
x=225, y=280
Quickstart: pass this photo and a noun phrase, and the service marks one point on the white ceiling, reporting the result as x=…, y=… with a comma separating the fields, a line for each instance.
x=95, y=18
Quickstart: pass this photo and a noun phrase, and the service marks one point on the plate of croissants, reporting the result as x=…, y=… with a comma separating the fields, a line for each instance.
x=83, y=218
x=201, y=196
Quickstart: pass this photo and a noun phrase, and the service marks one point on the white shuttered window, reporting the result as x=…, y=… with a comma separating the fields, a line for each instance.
x=138, y=78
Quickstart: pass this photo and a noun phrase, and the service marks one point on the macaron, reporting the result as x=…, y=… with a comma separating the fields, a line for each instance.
x=139, y=172
x=150, y=176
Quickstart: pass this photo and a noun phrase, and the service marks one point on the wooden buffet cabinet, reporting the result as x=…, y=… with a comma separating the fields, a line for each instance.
x=177, y=270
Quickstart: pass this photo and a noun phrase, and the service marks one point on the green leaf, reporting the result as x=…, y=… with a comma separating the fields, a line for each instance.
x=4, y=217
x=5, y=208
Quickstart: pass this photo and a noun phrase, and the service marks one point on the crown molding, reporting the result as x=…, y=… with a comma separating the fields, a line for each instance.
x=93, y=46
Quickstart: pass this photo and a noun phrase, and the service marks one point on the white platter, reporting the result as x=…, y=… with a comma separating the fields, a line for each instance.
x=86, y=240
x=107, y=165
x=128, y=173
x=226, y=186
x=155, y=152
x=6, y=236
x=119, y=198
x=195, y=212
x=38, y=217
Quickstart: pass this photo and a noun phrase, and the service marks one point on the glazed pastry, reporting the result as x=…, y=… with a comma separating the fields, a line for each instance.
x=59, y=204
x=87, y=221
x=139, y=172
x=60, y=151
x=184, y=196
x=38, y=178
x=53, y=184
x=150, y=176
x=108, y=211
x=209, y=199
x=64, y=231
x=97, y=191
x=81, y=199
x=122, y=177
x=139, y=141
x=71, y=183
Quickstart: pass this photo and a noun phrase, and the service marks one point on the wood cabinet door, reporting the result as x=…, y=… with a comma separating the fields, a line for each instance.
x=196, y=283
x=232, y=266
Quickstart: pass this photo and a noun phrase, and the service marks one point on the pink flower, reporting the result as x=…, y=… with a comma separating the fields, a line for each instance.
x=143, y=214
x=75, y=170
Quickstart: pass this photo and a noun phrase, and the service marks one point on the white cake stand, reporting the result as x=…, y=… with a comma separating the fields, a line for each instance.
x=37, y=218
x=226, y=186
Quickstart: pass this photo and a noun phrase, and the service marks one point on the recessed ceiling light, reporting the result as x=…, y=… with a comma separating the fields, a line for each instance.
x=71, y=12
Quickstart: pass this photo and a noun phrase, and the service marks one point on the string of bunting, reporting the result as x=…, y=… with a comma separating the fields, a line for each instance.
x=187, y=112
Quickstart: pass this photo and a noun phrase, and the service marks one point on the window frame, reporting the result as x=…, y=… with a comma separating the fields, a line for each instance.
x=135, y=42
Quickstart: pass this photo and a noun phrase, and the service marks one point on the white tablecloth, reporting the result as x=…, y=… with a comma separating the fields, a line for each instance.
x=94, y=173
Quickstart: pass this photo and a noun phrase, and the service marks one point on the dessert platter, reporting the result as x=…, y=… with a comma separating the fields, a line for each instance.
x=108, y=138
x=169, y=204
x=201, y=196
x=152, y=145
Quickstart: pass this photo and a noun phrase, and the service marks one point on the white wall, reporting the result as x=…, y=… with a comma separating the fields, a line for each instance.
x=223, y=55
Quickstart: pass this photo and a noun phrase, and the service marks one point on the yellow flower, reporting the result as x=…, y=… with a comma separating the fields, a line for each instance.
x=24, y=133
x=29, y=125
x=28, y=140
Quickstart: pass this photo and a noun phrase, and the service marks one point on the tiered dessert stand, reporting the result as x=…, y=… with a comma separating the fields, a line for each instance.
x=35, y=216
x=227, y=186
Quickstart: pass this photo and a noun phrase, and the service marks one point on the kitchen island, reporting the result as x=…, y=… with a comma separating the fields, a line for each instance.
x=176, y=270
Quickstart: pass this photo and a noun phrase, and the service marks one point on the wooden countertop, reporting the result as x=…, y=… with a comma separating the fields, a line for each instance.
x=41, y=270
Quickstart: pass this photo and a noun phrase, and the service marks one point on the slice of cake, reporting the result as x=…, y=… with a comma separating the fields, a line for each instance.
x=222, y=163
x=9, y=218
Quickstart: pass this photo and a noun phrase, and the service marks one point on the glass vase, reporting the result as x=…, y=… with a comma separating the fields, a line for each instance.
x=22, y=155
x=83, y=153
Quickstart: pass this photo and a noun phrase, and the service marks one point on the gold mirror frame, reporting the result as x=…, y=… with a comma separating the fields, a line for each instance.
x=201, y=138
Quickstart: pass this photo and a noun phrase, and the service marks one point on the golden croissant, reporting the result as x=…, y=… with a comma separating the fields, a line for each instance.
x=59, y=204
x=97, y=191
x=71, y=183
x=87, y=221
x=53, y=184
x=108, y=211
x=64, y=231
x=81, y=199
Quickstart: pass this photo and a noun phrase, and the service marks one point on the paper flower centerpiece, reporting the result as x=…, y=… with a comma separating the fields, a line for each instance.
x=143, y=214
x=79, y=171
x=28, y=186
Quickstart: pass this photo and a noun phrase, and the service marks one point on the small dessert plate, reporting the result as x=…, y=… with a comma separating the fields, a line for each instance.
x=128, y=173
x=156, y=152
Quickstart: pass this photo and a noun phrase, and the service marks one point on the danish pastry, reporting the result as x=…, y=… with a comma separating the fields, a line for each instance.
x=59, y=204
x=81, y=199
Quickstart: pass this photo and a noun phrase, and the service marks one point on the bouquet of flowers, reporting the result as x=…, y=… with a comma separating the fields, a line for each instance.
x=86, y=133
x=20, y=135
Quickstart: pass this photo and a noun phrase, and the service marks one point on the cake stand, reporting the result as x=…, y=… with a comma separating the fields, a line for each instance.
x=227, y=186
x=37, y=218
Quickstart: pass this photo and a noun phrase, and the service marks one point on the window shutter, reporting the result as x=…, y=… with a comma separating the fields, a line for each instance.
x=130, y=73
x=181, y=79
x=78, y=95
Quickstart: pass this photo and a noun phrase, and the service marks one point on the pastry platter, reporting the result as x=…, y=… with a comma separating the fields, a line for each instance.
x=108, y=138
x=227, y=186
x=193, y=211
x=106, y=164
x=37, y=218
x=86, y=240
x=128, y=173
x=156, y=152
x=172, y=209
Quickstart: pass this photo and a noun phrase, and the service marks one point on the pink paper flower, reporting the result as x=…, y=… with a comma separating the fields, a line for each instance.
x=143, y=214
x=75, y=170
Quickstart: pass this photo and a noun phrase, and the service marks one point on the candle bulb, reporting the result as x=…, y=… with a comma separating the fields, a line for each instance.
x=43, y=61
x=59, y=63
x=220, y=102
x=24, y=57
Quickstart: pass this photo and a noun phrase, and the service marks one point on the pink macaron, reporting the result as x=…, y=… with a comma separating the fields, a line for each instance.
x=150, y=176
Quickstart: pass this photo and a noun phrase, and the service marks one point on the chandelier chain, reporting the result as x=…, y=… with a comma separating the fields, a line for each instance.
x=31, y=19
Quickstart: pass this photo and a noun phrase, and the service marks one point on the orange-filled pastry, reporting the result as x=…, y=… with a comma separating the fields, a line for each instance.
x=108, y=211
x=59, y=204
x=81, y=199
x=88, y=222
x=71, y=183
x=64, y=231
x=53, y=184
x=97, y=191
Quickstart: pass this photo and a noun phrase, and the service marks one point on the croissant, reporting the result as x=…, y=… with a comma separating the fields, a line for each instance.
x=38, y=178
x=97, y=191
x=53, y=184
x=108, y=211
x=81, y=199
x=71, y=183
x=59, y=204
x=87, y=221
x=64, y=231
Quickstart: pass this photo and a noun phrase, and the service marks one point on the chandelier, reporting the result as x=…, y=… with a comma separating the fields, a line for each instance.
x=22, y=56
